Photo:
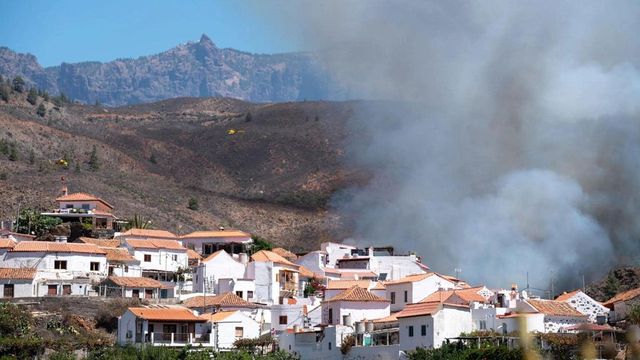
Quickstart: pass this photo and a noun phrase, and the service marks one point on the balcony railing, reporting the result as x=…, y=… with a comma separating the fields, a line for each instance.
x=177, y=339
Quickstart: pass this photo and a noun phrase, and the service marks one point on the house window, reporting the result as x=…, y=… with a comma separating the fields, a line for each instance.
x=147, y=258
x=135, y=293
x=239, y=332
x=8, y=290
x=86, y=206
x=60, y=264
x=411, y=331
x=393, y=297
x=483, y=324
x=66, y=289
x=329, y=345
x=174, y=257
x=126, y=268
x=69, y=206
x=282, y=319
x=249, y=294
x=330, y=316
x=239, y=293
x=94, y=266
x=423, y=330
x=406, y=296
x=277, y=277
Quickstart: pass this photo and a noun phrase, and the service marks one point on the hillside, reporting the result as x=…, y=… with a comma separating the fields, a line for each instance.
x=267, y=168
x=194, y=69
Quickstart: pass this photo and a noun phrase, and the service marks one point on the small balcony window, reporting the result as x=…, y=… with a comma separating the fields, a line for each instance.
x=94, y=266
x=60, y=264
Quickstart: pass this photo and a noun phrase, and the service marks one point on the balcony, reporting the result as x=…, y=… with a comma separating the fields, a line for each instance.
x=174, y=339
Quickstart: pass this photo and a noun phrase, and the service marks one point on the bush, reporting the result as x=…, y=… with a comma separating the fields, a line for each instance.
x=260, y=244
x=193, y=204
x=32, y=97
x=94, y=162
x=42, y=111
x=18, y=84
x=5, y=92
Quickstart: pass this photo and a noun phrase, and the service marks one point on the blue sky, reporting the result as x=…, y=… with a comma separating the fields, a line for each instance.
x=73, y=31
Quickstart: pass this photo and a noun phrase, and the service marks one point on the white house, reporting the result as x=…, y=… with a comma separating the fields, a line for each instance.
x=225, y=327
x=557, y=314
x=429, y=324
x=413, y=288
x=276, y=278
x=353, y=304
x=335, y=251
x=620, y=304
x=63, y=268
x=315, y=261
x=160, y=259
x=222, y=302
x=208, y=242
x=315, y=343
x=334, y=287
x=17, y=283
x=131, y=287
x=219, y=265
x=244, y=288
x=160, y=325
x=121, y=263
x=585, y=304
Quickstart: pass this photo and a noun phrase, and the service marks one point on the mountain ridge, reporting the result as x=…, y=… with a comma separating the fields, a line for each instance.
x=191, y=69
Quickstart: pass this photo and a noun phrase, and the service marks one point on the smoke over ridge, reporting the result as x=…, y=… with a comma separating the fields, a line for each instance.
x=507, y=138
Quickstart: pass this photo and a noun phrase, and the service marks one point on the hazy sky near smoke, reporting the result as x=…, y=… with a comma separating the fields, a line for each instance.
x=517, y=146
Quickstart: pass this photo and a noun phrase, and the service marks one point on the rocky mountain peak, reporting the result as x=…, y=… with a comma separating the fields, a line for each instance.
x=206, y=41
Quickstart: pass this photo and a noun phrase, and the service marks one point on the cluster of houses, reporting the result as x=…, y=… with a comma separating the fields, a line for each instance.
x=211, y=288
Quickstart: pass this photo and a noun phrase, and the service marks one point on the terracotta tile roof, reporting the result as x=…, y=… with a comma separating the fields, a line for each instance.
x=118, y=255
x=409, y=279
x=102, y=213
x=135, y=282
x=356, y=293
x=80, y=196
x=553, y=307
x=216, y=233
x=47, y=246
x=7, y=243
x=588, y=327
x=218, y=316
x=379, y=286
x=285, y=254
x=387, y=319
x=156, y=244
x=623, y=296
x=346, y=284
x=352, y=274
x=165, y=313
x=223, y=300
x=567, y=295
x=150, y=233
x=191, y=254
x=100, y=242
x=17, y=273
x=468, y=295
x=6, y=233
x=419, y=309
x=305, y=272
x=266, y=255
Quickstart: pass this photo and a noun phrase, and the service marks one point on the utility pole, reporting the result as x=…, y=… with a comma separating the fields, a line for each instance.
x=552, y=292
x=584, y=287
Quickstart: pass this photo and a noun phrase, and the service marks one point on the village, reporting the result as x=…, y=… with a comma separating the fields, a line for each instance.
x=212, y=289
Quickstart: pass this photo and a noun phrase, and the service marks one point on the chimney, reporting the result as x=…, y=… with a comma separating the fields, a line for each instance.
x=243, y=258
x=64, y=191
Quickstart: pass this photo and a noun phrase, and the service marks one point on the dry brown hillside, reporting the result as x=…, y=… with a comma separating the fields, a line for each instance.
x=270, y=172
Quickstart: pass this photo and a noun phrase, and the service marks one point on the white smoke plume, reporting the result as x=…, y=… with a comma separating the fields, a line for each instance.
x=507, y=135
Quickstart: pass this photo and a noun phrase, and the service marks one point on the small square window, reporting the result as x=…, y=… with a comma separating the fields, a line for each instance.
x=147, y=258
x=282, y=320
x=239, y=293
x=249, y=294
x=174, y=257
x=239, y=332
x=86, y=207
x=60, y=264
x=94, y=266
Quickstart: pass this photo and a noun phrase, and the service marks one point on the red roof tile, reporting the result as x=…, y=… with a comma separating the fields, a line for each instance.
x=409, y=279
x=553, y=307
x=192, y=255
x=150, y=233
x=47, y=246
x=156, y=244
x=623, y=296
x=165, y=313
x=135, y=282
x=17, y=273
x=223, y=300
x=216, y=233
x=356, y=293
x=7, y=243
x=80, y=196
x=468, y=295
x=266, y=255
x=567, y=295
x=346, y=284
x=419, y=309
x=112, y=243
x=119, y=255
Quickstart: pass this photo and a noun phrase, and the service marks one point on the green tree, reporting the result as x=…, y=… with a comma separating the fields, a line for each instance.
x=32, y=97
x=5, y=92
x=152, y=159
x=42, y=111
x=612, y=285
x=634, y=314
x=13, y=152
x=193, y=204
x=32, y=157
x=248, y=117
x=94, y=162
x=45, y=95
x=4, y=147
x=260, y=244
x=138, y=222
x=18, y=84
x=77, y=169
x=30, y=221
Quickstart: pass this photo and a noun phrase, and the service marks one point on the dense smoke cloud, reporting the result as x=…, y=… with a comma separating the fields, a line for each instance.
x=507, y=135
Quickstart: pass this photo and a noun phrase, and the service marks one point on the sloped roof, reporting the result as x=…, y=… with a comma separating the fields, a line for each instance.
x=216, y=233
x=553, y=307
x=419, y=309
x=113, y=243
x=218, y=316
x=80, y=196
x=623, y=296
x=47, y=246
x=150, y=233
x=386, y=319
x=165, y=313
x=266, y=255
x=346, y=284
x=305, y=272
x=467, y=294
x=214, y=255
x=135, y=282
x=356, y=293
x=156, y=244
x=223, y=300
x=285, y=253
x=17, y=273
x=379, y=286
x=7, y=243
x=118, y=255
x=352, y=273
x=567, y=295
x=192, y=254
x=409, y=279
